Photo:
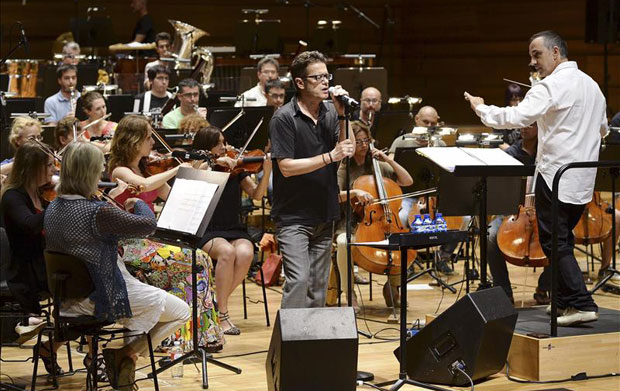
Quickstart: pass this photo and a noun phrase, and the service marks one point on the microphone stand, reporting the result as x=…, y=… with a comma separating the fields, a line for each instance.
x=361, y=375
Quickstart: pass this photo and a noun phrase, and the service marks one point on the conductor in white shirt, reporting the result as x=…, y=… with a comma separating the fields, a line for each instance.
x=569, y=108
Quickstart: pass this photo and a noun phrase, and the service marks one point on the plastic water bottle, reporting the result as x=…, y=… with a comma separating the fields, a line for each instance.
x=440, y=223
x=176, y=352
x=416, y=226
x=427, y=224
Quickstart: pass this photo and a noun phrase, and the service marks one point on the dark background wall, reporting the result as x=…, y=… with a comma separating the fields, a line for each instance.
x=435, y=49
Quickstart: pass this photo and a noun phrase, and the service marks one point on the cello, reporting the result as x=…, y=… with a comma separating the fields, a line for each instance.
x=380, y=219
x=594, y=226
x=517, y=237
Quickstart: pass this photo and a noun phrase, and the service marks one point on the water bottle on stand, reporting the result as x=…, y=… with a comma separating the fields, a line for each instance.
x=176, y=352
x=416, y=226
x=440, y=223
x=428, y=225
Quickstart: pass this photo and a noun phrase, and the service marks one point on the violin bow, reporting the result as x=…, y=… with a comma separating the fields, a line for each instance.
x=251, y=137
x=232, y=121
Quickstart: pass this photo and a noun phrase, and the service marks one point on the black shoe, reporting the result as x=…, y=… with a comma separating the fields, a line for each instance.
x=443, y=267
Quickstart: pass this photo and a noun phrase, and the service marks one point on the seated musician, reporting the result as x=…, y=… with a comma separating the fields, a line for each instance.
x=143, y=31
x=276, y=93
x=79, y=225
x=189, y=95
x=226, y=239
x=164, y=266
x=370, y=104
x=162, y=45
x=63, y=132
x=427, y=116
x=190, y=125
x=158, y=77
x=95, y=108
x=361, y=164
x=23, y=128
x=71, y=53
x=59, y=105
x=524, y=150
x=266, y=69
x=512, y=97
x=23, y=210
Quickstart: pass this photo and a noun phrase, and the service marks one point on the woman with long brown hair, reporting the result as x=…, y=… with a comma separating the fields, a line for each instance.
x=164, y=266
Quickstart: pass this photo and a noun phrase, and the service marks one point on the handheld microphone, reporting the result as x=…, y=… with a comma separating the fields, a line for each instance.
x=193, y=155
x=24, y=39
x=345, y=99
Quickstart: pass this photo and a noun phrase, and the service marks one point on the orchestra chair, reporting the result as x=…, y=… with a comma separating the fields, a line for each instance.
x=68, y=279
x=260, y=263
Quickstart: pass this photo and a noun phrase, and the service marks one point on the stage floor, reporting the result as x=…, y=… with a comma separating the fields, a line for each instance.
x=248, y=350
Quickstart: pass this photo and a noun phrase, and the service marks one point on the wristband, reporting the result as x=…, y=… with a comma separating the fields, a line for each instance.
x=330, y=157
x=323, y=157
x=341, y=118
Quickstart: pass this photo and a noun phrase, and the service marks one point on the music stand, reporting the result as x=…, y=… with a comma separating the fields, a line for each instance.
x=356, y=79
x=390, y=124
x=176, y=231
x=238, y=133
x=258, y=36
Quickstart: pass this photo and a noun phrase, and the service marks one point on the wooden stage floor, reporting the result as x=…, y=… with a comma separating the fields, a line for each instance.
x=248, y=350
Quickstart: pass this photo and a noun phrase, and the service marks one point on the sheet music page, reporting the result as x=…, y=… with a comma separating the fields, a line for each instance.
x=449, y=157
x=186, y=205
x=493, y=156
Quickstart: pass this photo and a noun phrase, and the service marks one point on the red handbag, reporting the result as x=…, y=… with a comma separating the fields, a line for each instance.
x=272, y=267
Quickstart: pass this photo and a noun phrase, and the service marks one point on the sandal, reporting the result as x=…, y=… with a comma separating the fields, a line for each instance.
x=233, y=330
x=100, y=367
x=48, y=361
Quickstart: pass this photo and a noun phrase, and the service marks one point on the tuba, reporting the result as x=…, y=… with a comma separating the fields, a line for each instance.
x=203, y=65
x=185, y=38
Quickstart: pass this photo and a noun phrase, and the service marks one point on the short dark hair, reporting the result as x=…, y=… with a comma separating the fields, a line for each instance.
x=301, y=62
x=551, y=39
x=275, y=83
x=267, y=60
x=65, y=68
x=163, y=36
x=513, y=91
x=153, y=71
x=189, y=83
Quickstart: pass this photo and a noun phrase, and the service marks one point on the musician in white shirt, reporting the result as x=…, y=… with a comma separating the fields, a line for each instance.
x=266, y=69
x=569, y=108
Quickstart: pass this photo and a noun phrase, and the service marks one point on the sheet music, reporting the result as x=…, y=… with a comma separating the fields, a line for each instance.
x=450, y=157
x=186, y=205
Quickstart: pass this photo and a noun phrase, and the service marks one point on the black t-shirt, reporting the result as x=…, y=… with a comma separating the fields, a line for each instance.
x=517, y=152
x=145, y=26
x=155, y=101
x=227, y=214
x=311, y=198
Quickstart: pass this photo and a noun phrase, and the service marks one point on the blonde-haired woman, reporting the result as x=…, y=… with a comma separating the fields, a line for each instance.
x=90, y=229
x=164, y=266
x=22, y=130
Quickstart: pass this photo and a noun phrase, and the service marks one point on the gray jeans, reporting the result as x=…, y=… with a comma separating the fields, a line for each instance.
x=306, y=254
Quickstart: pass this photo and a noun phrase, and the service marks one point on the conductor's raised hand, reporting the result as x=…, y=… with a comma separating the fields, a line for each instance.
x=343, y=149
x=474, y=101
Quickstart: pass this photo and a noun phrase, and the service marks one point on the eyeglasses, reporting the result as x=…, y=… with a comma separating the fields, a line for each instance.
x=190, y=94
x=320, y=78
x=371, y=101
x=362, y=141
x=277, y=96
x=269, y=72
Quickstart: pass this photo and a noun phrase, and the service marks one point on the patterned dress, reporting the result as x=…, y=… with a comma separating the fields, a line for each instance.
x=169, y=268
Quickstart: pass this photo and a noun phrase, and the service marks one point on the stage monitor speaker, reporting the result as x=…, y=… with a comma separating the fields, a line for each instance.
x=474, y=333
x=602, y=25
x=313, y=349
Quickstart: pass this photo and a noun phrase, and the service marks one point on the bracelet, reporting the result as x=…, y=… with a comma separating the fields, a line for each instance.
x=323, y=157
x=330, y=157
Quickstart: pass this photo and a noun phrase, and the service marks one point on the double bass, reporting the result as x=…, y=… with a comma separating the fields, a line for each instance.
x=380, y=219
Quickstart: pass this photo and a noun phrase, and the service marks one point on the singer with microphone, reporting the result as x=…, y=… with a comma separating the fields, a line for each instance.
x=308, y=137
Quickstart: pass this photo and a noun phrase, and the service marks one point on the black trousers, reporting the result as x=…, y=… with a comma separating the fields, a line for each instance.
x=572, y=290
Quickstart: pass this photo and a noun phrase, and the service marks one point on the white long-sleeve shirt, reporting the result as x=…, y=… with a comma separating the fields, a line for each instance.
x=569, y=108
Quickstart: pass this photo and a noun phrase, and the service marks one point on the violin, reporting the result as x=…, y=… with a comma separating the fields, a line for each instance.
x=157, y=165
x=380, y=219
x=517, y=237
x=594, y=226
x=250, y=162
x=48, y=192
